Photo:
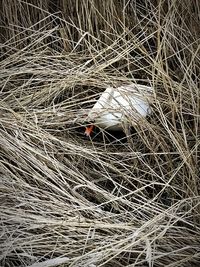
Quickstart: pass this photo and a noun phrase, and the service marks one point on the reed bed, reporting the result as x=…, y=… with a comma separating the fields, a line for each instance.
x=112, y=199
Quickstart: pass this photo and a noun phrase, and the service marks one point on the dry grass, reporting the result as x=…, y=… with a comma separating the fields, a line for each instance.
x=71, y=201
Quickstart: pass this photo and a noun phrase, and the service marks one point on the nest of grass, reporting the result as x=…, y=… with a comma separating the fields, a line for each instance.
x=111, y=200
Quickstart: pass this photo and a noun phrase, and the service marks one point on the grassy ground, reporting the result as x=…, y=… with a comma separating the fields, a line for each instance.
x=67, y=200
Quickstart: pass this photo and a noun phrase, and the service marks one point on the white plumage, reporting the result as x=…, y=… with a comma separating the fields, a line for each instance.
x=117, y=106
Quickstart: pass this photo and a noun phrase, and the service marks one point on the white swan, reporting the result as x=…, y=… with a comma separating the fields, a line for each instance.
x=116, y=106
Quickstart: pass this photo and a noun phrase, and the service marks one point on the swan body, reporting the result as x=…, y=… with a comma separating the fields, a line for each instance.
x=117, y=106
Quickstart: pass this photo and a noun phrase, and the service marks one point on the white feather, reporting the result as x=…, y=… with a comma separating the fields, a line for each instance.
x=116, y=105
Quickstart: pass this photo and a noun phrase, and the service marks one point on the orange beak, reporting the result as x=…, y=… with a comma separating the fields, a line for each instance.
x=89, y=130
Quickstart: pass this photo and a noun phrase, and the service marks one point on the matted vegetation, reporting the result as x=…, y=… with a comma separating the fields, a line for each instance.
x=67, y=200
